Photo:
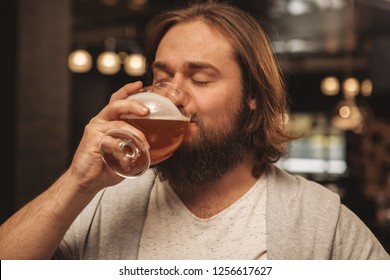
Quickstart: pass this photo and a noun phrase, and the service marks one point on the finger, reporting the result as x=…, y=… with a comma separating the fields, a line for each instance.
x=114, y=110
x=126, y=90
x=104, y=127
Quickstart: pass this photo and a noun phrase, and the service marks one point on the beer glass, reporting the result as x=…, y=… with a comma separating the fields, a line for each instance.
x=164, y=128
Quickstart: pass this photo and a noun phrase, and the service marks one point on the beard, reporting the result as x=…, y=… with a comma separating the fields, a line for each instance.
x=207, y=158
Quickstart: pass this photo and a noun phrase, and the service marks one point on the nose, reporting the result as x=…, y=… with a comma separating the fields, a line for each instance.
x=171, y=82
x=171, y=90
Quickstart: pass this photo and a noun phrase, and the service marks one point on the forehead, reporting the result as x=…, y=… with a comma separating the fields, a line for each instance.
x=194, y=41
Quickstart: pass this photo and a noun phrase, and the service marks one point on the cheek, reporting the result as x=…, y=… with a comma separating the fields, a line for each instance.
x=218, y=114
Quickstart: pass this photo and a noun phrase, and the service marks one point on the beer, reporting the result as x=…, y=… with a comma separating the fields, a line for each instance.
x=163, y=135
x=164, y=128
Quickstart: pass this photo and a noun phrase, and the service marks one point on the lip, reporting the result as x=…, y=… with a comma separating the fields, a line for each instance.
x=192, y=126
x=191, y=131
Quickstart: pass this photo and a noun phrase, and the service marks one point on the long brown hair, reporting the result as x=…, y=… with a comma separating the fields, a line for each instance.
x=265, y=129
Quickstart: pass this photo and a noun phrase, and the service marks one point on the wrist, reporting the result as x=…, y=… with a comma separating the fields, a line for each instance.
x=77, y=185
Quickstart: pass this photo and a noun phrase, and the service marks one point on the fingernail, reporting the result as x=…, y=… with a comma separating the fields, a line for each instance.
x=144, y=108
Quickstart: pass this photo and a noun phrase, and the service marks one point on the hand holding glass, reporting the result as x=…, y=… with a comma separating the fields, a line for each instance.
x=164, y=128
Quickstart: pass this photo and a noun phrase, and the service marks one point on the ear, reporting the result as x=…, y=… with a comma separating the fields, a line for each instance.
x=252, y=104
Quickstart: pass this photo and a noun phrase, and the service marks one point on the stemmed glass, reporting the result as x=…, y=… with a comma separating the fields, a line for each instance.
x=164, y=128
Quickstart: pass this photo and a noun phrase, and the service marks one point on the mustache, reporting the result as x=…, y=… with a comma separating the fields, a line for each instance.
x=194, y=118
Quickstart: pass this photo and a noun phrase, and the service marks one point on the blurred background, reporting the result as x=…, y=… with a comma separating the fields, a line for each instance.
x=61, y=60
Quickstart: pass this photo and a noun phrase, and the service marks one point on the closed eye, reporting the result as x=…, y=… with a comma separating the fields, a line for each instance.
x=200, y=83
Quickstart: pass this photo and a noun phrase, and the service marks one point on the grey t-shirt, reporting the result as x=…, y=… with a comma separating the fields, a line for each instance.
x=171, y=231
x=304, y=220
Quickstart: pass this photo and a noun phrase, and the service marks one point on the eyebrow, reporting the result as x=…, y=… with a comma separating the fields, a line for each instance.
x=199, y=65
x=160, y=65
x=191, y=65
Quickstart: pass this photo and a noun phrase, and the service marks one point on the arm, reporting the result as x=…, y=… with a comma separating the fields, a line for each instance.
x=36, y=230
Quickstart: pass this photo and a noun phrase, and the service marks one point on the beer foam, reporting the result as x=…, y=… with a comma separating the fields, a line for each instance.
x=161, y=107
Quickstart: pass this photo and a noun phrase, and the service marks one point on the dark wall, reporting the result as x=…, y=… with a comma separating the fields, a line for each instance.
x=34, y=102
x=8, y=85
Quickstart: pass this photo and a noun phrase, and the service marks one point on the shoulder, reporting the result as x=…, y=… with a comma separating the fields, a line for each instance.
x=290, y=188
x=302, y=217
x=305, y=220
x=354, y=240
x=129, y=191
x=114, y=217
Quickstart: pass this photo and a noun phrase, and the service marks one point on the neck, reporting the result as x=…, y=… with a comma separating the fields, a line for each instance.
x=213, y=197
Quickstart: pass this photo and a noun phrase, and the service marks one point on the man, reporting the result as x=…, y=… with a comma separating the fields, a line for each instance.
x=219, y=196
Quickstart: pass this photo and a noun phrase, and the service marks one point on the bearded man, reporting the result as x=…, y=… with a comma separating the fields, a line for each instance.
x=219, y=196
